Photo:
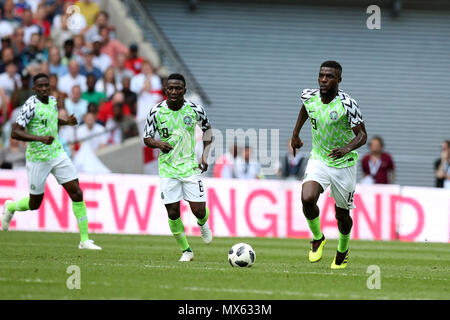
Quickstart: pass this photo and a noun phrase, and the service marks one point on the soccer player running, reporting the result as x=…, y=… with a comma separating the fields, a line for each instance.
x=38, y=124
x=180, y=173
x=337, y=131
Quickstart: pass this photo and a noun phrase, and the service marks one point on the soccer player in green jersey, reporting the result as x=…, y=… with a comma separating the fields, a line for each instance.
x=38, y=124
x=337, y=131
x=180, y=173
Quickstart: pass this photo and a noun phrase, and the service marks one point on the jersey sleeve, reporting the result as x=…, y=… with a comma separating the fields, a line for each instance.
x=26, y=113
x=308, y=94
x=352, y=109
x=150, y=124
x=202, y=119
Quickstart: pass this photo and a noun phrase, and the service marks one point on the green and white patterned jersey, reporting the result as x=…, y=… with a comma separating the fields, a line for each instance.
x=177, y=128
x=41, y=119
x=331, y=126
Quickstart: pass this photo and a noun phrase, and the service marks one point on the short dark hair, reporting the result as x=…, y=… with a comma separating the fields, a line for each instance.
x=39, y=75
x=177, y=76
x=69, y=42
x=332, y=64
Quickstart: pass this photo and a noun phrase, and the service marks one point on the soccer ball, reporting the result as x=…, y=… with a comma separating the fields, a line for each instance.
x=241, y=255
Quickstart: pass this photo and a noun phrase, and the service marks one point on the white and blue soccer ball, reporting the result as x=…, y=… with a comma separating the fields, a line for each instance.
x=241, y=255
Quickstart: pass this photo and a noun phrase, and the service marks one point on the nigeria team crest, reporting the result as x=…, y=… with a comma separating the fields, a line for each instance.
x=333, y=115
x=187, y=120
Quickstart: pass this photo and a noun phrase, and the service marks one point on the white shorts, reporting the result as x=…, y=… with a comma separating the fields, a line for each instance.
x=189, y=188
x=61, y=167
x=342, y=181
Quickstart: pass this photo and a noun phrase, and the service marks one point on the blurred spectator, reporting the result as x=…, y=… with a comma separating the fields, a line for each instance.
x=147, y=97
x=23, y=92
x=88, y=67
x=33, y=54
x=79, y=48
x=6, y=27
x=68, y=52
x=75, y=105
x=108, y=83
x=246, y=167
x=92, y=133
x=9, y=15
x=60, y=34
x=4, y=101
x=134, y=61
x=13, y=157
x=20, y=6
x=102, y=20
x=67, y=134
x=41, y=20
x=18, y=44
x=100, y=60
x=29, y=27
x=54, y=91
x=55, y=65
x=8, y=56
x=106, y=111
x=377, y=166
x=442, y=167
x=89, y=9
x=91, y=95
x=66, y=82
x=293, y=167
x=130, y=96
x=10, y=79
x=74, y=20
x=120, y=69
x=223, y=168
x=112, y=47
x=137, y=82
x=120, y=126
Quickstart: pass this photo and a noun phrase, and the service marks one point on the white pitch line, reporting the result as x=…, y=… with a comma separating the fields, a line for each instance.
x=271, y=292
x=51, y=281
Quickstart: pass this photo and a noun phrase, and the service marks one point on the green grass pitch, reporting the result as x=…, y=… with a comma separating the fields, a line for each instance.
x=33, y=265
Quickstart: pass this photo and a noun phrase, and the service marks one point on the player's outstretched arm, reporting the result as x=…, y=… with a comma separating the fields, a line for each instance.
x=296, y=142
x=359, y=140
x=155, y=144
x=18, y=132
x=71, y=121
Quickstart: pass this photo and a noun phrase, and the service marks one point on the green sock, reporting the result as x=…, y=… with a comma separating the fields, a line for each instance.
x=21, y=205
x=205, y=218
x=177, y=228
x=314, y=226
x=343, y=242
x=79, y=209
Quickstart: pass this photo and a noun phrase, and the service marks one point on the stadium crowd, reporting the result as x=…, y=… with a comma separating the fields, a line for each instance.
x=107, y=85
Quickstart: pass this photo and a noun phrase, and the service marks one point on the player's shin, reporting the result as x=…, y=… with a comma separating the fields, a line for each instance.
x=204, y=219
x=177, y=228
x=314, y=226
x=79, y=209
x=345, y=224
x=21, y=205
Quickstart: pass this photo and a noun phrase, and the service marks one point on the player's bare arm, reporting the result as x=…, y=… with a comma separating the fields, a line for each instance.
x=359, y=140
x=156, y=144
x=207, y=140
x=19, y=133
x=70, y=121
x=296, y=142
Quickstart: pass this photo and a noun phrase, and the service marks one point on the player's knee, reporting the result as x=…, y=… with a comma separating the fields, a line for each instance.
x=76, y=195
x=308, y=199
x=343, y=215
